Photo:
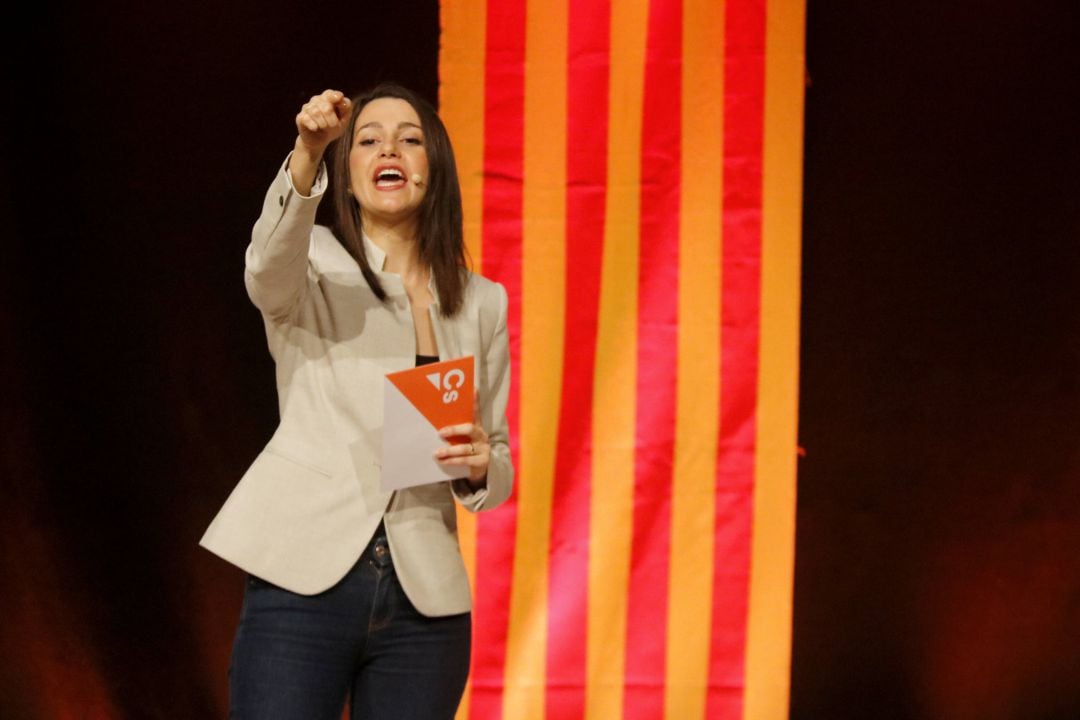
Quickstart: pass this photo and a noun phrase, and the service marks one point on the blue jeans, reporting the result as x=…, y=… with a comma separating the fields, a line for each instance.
x=298, y=657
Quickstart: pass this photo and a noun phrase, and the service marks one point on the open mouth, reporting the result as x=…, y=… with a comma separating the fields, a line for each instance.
x=389, y=178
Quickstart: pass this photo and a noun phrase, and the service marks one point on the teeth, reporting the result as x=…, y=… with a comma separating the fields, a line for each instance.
x=390, y=175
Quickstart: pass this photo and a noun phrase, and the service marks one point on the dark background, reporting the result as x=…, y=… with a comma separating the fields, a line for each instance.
x=937, y=573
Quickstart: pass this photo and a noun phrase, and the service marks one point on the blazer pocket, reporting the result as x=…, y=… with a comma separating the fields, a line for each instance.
x=291, y=457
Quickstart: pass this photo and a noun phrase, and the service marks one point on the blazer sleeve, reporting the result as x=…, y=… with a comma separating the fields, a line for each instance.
x=275, y=265
x=493, y=398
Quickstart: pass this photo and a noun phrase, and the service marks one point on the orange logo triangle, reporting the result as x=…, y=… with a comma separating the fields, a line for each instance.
x=442, y=391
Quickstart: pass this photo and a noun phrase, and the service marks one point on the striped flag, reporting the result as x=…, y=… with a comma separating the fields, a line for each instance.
x=631, y=173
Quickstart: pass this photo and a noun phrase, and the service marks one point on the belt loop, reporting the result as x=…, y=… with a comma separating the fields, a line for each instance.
x=380, y=553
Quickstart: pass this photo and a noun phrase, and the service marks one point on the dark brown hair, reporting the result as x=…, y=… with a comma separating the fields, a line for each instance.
x=439, y=232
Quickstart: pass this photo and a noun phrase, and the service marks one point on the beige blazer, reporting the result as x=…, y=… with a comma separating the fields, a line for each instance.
x=306, y=508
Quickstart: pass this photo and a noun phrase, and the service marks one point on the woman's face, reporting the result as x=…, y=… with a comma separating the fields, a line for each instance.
x=387, y=152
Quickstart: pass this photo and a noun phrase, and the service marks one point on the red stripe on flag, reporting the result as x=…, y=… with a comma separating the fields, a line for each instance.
x=587, y=111
x=658, y=282
x=744, y=77
x=504, y=102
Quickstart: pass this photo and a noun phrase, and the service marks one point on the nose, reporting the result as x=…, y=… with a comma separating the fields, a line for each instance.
x=388, y=148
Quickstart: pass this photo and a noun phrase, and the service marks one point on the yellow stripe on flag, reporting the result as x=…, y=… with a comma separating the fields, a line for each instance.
x=698, y=379
x=615, y=379
x=542, y=312
x=768, y=653
x=461, y=107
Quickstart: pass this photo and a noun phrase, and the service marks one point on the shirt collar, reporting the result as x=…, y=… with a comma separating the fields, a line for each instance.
x=376, y=258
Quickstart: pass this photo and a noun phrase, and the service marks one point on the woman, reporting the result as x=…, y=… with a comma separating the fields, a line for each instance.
x=354, y=591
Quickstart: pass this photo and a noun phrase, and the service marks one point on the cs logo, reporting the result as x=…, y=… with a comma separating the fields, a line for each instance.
x=449, y=382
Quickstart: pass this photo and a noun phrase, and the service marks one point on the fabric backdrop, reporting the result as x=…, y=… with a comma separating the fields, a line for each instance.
x=632, y=175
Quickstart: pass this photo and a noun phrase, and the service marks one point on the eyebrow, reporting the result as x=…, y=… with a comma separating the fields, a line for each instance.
x=377, y=124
